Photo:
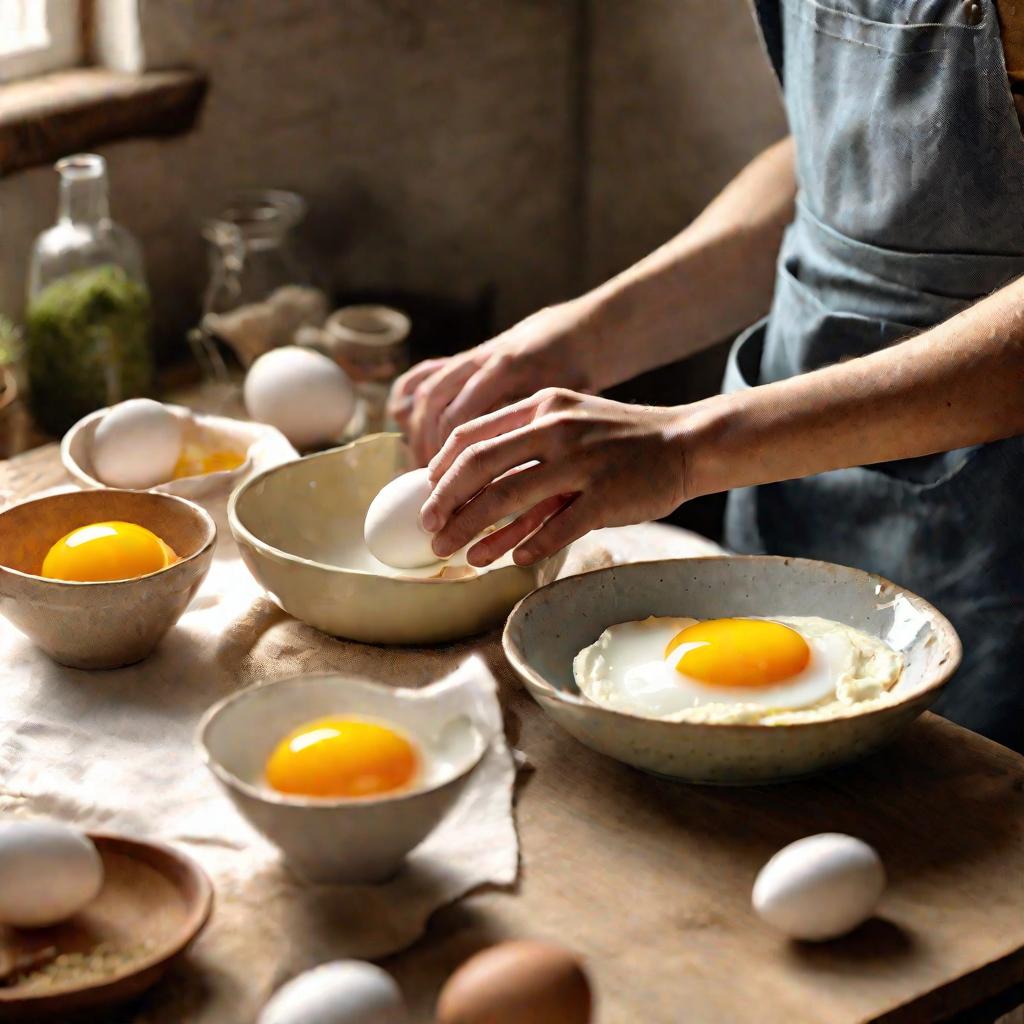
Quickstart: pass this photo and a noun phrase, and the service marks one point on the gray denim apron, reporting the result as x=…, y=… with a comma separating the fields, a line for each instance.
x=910, y=163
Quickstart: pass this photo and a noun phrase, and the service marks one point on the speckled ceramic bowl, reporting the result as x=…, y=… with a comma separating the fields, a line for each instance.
x=100, y=625
x=541, y=640
x=334, y=839
x=261, y=444
x=299, y=528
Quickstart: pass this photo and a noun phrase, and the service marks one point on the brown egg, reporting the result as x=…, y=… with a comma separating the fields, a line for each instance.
x=517, y=983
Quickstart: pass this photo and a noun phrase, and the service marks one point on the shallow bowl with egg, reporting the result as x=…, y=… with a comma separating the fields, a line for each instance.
x=92, y=624
x=279, y=750
x=909, y=646
x=299, y=528
x=218, y=452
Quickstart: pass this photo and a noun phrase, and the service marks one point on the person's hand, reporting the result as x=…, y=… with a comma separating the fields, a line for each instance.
x=546, y=349
x=562, y=463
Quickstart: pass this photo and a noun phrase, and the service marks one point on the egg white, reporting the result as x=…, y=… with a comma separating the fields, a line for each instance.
x=625, y=669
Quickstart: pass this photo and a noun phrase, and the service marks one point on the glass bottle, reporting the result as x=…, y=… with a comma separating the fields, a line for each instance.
x=261, y=292
x=88, y=316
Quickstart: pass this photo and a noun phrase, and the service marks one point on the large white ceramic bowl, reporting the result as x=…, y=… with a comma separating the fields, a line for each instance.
x=299, y=528
x=343, y=840
x=263, y=445
x=548, y=628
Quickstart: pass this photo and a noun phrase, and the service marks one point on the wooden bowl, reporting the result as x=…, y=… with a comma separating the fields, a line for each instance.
x=153, y=903
x=100, y=625
x=547, y=629
x=299, y=529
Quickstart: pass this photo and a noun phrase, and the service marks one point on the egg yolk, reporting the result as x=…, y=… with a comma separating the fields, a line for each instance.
x=740, y=652
x=342, y=757
x=107, y=551
x=197, y=462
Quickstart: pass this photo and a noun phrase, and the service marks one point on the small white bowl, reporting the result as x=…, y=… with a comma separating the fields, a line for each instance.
x=355, y=840
x=264, y=446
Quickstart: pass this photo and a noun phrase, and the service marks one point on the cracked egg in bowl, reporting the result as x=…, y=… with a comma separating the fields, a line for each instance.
x=300, y=530
x=734, y=669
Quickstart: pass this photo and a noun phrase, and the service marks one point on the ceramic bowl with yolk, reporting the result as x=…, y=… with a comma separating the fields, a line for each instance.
x=99, y=625
x=352, y=839
x=541, y=639
x=258, y=443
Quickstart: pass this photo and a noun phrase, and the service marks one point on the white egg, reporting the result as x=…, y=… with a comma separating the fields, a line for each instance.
x=303, y=393
x=137, y=444
x=820, y=887
x=48, y=872
x=393, y=531
x=343, y=992
x=627, y=669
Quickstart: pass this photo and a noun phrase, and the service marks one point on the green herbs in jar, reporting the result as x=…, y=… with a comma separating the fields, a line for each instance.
x=88, y=345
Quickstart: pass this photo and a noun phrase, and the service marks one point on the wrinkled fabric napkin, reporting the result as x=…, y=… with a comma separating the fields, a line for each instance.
x=114, y=751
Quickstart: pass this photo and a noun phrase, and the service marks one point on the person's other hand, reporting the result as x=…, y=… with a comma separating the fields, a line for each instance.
x=549, y=348
x=563, y=464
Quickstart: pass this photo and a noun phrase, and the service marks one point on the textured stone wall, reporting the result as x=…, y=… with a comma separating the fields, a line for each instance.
x=444, y=145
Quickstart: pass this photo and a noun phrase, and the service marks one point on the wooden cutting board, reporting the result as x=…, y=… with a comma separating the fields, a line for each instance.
x=650, y=880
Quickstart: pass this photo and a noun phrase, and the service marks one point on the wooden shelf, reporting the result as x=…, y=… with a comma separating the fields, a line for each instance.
x=45, y=118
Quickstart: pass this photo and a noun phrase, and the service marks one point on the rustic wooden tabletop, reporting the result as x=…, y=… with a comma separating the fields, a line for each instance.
x=650, y=880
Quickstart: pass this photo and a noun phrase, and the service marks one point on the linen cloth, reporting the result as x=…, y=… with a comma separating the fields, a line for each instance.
x=114, y=751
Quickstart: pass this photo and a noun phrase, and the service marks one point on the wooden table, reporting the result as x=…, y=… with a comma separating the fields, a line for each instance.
x=651, y=880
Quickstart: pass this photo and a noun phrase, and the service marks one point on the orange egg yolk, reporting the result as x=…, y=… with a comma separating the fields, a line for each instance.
x=107, y=551
x=342, y=757
x=740, y=652
x=198, y=462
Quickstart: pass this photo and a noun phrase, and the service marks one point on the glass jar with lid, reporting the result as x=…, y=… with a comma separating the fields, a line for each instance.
x=260, y=291
x=88, y=315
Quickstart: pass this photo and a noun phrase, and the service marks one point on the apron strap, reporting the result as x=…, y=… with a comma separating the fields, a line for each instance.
x=769, y=23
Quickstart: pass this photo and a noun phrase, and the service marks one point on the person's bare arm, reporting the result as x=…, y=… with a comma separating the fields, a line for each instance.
x=712, y=279
x=958, y=384
x=584, y=462
x=709, y=282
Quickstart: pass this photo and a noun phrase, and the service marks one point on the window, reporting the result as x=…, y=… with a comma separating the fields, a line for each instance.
x=37, y=36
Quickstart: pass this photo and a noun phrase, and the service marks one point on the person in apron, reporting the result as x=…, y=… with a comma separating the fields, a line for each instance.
x=908, y=161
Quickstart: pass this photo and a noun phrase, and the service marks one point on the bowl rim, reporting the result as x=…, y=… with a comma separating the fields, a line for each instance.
x=538, y=685
x=221, y=475
x=242, y=533
x=205, y=518
x=268, y=796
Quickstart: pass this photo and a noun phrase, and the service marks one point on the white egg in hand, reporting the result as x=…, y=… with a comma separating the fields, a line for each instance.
x=393, y=531
x=343, y=992
x=48, y=872
x=137, y=444
x=820, y=887
x=303, y=393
